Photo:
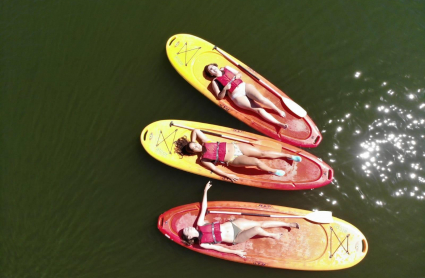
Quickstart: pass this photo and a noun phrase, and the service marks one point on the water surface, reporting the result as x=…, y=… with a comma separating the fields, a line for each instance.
x=81, y=79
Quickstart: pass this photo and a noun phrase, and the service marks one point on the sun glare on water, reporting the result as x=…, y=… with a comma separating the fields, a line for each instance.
x=390, y=147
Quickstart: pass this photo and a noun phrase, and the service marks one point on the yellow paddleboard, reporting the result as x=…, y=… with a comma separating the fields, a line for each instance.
x=158, y=140
x=189, y=55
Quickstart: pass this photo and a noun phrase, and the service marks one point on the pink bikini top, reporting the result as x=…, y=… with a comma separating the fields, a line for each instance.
x=226, y=78
x=210, y=233
x=215, y=151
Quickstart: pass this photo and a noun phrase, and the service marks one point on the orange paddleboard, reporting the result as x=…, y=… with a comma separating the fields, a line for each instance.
x=314, y=246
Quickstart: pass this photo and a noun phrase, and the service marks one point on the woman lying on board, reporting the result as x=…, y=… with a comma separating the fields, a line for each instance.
x=234, y=154
x=228, y=81
x=235, y=231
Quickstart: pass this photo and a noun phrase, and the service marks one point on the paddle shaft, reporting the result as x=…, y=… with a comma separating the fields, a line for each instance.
x=299, y=113
x=323, y=217
x=267, y=143
x=256, y=214
x=212, y=133
x=247, y=71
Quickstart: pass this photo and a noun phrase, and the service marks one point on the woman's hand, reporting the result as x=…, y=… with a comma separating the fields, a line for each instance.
x=228, y=86
x=240, y=253
x=208, y=186
x=197, y=134
x=201, y=218
x=232, y=177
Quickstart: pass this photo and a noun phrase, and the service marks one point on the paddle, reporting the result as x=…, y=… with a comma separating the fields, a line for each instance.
x=292, y=105
x=269, y=144
x=323, y=217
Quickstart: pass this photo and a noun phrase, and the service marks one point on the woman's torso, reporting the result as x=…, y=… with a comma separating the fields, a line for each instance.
x=230, y=151
x=227, y=233
x=225, y=78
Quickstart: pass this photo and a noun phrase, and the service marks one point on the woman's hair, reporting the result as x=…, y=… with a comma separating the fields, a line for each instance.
x=206, y=69
x=188, y=241
x=182, y=147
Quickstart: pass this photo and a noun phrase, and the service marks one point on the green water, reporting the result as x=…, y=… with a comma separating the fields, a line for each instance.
x=79, y=81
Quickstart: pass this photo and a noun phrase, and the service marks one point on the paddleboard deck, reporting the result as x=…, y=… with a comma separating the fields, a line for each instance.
x=159, y=138
x=333, y=246
x=189, y=55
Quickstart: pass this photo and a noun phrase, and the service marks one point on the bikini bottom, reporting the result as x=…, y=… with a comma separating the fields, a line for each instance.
x=237, y=152
x=236, y=231
x=238, y=92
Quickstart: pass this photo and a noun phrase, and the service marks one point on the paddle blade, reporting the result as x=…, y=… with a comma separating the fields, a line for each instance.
x=294, y=107
x=323, y=217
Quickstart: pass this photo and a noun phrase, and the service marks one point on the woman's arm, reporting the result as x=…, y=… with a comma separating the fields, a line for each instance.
x=218, y=171
x=235, y=72
x=196, y=133
x=201, y=218
x=220, y=94
x=240, y=253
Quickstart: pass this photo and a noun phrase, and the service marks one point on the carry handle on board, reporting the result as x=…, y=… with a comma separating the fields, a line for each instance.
x=292, y=105
x=322, y=217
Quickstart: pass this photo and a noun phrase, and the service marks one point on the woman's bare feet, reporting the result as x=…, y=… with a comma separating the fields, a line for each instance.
x=294, y=225
x=284, y=126
x=281, y=113
x=276, y=236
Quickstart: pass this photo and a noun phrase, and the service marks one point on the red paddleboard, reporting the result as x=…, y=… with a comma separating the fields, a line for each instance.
x=314, y=246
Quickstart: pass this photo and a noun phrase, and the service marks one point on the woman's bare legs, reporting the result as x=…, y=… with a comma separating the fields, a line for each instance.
x=254, y=94
x=253, y=228
x=248, y=104
x=250, y=158
x=255, y=231
x=245, y=224
x=252, y=151
x=244, y=160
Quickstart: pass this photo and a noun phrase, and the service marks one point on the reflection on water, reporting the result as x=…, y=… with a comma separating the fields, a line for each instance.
x=392, y=150
x=390, y=145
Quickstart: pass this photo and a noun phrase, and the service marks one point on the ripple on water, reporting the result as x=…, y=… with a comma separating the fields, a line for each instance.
x=387, y=148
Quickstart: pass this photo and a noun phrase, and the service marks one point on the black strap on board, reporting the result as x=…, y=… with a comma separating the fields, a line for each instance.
x=164, y=138
x=340, y=244
x=186, y=51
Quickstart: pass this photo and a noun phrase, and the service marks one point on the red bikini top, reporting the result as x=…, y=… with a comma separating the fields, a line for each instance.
x=226, y=78
x=210, y=233
x=215, y=151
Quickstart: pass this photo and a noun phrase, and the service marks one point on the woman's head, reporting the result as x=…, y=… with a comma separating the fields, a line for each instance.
x=184, y=147
x=189, y=235
x=211, y=70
